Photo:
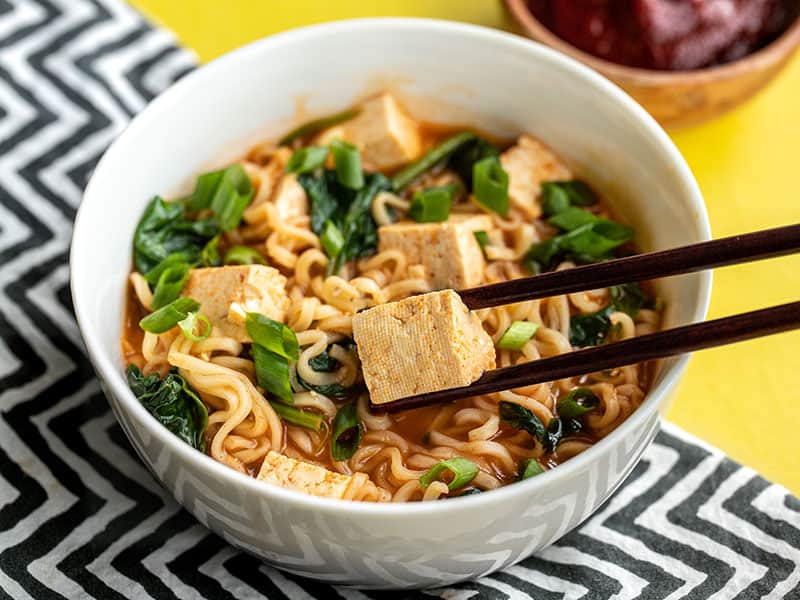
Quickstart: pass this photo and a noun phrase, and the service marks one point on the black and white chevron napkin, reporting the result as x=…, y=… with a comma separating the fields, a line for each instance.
x=79, y=514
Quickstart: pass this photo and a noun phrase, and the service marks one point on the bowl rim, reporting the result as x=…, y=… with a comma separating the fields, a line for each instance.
x=778, y=49
x=107, y=366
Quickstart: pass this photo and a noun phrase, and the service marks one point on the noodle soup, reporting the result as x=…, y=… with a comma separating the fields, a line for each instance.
x=239, y=322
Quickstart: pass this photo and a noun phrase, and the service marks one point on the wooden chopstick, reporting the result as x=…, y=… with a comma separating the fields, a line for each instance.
x=748, y=247
x=662, y=344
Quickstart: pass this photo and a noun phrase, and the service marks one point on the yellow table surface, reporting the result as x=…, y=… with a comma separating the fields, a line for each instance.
x=745, y=398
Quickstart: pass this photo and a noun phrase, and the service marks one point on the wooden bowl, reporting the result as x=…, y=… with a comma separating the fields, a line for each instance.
x=679, y=98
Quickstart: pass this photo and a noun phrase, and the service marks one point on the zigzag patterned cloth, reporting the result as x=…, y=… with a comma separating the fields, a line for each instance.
x=79, y=514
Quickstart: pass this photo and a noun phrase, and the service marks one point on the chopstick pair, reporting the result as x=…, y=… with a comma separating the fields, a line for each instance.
x=737, y=249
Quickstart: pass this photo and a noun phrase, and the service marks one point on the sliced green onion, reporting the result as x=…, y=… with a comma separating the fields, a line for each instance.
x=331, y=239
x=572, y=218
x=209, y=257
x=272, y=335
x=490, y=185
x=463, y=472
x=204, y=189
x=190, y=323
x=296, y=416
x=243, y=255
x=272, y=373
x=577, y=191
x=528, y=468
x=166, y=317
x=517, y=335
x=346, y=434
x=312, y=127
x=232, y=197
x=169, y=285
x=555, y=199
x=577, y=403
x=430, y=159
x=306, y=160
x=482, y=238
x=433, y=204
x=173, y=260
x=348, y=164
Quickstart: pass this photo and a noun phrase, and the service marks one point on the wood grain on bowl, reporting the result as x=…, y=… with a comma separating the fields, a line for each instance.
x=678, y=98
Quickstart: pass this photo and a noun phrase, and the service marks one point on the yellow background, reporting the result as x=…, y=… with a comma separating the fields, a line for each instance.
x=745, y=398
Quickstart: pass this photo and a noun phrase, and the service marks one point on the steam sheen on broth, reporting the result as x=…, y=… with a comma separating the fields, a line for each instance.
x=238, y=330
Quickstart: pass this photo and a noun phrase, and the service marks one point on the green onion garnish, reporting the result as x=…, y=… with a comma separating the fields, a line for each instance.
x=233, y=195
x=272, y=373
x=577, y=403
x=462, y=470
x=571, y=218
x=430, y=159
x=331, y=239
x=433, y=204
x=516, y=336
x=555, y=199
x=227, y=193
x=296, y=416
x=175, y=259
x=306, y=160
x=204, y=189
x=243, y=255
x=272, y=335
x=190, y=323
x=170, y=284
x=528, y=468
x=166, y=317
x=576, y=191
x=482, y=238
x=348, y=164
x=316, y=125
x=346, y=434
x=209, y=256
x=490, y=185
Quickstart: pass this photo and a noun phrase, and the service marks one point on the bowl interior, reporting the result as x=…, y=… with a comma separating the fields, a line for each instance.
x=445, y=73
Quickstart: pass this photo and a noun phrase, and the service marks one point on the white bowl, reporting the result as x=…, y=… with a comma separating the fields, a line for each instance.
x=446, y=72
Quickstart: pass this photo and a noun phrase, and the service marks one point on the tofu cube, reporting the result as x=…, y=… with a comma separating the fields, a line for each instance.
x=448, y=251
x=226, y=294
x=384, y=133
x=300, y=476
x=529, y=163
x=421, y=344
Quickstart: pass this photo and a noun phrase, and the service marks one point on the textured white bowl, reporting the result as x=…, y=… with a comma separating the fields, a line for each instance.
x=447, y=72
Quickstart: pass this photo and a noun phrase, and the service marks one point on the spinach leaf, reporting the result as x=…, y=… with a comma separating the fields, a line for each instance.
x=324, y=362
x=523, y=419
x=324, y=204
x=173, y=403
x=591, y=242
x=558, y=429
x=348, y=210
x=164, y=230
x=590, y=329
x=628, y=298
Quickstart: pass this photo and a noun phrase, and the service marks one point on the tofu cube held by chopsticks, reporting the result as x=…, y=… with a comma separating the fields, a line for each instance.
x=421, y=344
